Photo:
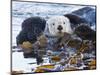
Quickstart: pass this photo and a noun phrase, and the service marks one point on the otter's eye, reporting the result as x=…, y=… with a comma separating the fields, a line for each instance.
x=63, y=22
x=53, y=24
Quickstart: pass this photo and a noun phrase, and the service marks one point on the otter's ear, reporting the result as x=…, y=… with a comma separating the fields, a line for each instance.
x=46, y=31
x=69, y=28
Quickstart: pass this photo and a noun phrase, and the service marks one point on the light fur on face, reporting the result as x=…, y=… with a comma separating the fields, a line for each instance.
x=54, y=22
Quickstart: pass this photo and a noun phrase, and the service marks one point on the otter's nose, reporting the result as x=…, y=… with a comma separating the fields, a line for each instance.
x=60, y=28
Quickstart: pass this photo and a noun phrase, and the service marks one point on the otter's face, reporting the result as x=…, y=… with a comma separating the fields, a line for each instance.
x=58, y=24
